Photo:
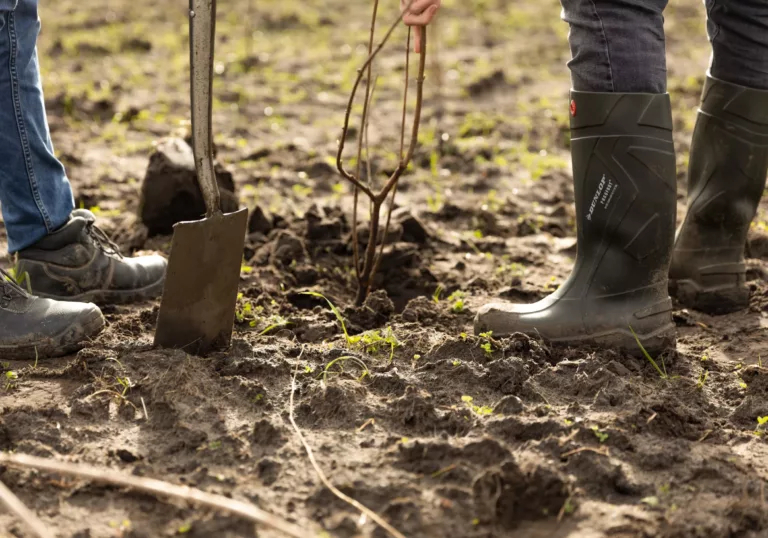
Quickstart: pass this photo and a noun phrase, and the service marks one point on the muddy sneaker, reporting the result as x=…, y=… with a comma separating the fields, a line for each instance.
x=79, y=262
x=726, y=178
x=31, y=327
x=624, y=187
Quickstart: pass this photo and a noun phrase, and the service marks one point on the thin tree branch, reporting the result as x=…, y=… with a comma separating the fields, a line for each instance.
x=405, y=92
x=346, y=498
x=157, y=487
x=14, y=504
x=348, y=113
x=363, y=125
x=382, y=195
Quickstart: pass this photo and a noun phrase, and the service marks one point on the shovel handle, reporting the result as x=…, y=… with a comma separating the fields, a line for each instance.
x=202, y=32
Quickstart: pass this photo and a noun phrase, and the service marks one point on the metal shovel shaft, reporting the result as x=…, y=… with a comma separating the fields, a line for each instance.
x=202, y=33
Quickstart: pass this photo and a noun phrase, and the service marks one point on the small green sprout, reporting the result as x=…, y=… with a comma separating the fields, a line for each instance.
x=457, y=301
x=487, y=346
x=602, y=437
x=340, y=362
x=761, y=421
x=662, y=373
x=436, y=295
x=483, y=410
x=456, y=362
x=702, y=379
x=335, y=311
x=11, y=377
x=568, y=507
x=651, y=501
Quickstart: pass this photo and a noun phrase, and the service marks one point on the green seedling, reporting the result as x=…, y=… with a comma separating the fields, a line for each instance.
x=602, y=437
x=274, y=322
x=456, y=362
x=126, y=383
x=457, y=301
x=335, y=311
x=184, y=528
x=761, y=421
x=487, y=346
x=246, y=312
x=568, y=507
x=11, y=378
x=372, y=341
x=436, y=295
x=662, y=373
x=702, y=379
x=341, y=361
x=477, y=409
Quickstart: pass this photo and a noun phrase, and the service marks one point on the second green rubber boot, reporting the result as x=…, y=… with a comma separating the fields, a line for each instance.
x=625, y=193
x=726, y=178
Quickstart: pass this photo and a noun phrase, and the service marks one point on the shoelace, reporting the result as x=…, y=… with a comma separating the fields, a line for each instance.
x=103, y=241
x=10, y=288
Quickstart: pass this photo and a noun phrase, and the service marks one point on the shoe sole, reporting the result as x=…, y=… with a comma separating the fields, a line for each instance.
x=714, y=301
x=103, y=297
x=72, y=339
x=654, y=342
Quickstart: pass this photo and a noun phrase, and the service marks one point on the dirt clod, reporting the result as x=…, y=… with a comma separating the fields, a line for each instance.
x=170, y=192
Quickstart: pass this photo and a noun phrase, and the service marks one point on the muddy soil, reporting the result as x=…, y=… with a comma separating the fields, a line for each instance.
x=441, y=432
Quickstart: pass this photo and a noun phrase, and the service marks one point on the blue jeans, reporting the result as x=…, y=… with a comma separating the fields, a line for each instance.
x=618, y=45
x=35, y=194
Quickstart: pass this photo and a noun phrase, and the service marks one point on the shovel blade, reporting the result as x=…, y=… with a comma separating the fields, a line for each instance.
x=197, y=312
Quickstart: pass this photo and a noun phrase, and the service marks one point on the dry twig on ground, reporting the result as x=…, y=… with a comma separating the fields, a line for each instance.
x=14, y=504
x=346, y=498
x=157, y=487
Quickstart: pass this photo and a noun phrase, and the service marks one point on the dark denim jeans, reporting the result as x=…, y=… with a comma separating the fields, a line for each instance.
x=618, y=45
x=35, y=194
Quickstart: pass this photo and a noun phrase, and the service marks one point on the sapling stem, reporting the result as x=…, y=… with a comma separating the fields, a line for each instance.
x=366, y=269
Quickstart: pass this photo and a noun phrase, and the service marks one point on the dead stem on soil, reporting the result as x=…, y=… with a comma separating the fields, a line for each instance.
x=157, y=487
x=603, y=451
x=14, y=505
x=370, y=264
x=347, y=499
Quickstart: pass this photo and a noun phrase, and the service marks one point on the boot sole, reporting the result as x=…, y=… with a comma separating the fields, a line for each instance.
x=102, y=297
x=714, y=301
x=68, y=341
x=654, y=343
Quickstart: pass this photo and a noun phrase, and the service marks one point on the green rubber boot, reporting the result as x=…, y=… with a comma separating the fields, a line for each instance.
x=728, y=167
x=624, y=186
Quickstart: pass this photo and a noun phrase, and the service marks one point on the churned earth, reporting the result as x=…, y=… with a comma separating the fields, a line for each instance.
x=441, y=432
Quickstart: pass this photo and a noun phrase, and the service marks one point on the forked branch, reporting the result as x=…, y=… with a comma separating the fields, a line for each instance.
x=370, y=263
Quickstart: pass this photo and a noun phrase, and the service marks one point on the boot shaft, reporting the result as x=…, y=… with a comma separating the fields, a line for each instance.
x=726, y=179
x=727, y=171
x=625, y=192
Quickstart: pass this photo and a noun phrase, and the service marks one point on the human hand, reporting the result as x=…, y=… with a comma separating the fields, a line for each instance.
x=420, y=13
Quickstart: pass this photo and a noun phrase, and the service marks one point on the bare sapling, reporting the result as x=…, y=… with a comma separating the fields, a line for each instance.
x=366, y=268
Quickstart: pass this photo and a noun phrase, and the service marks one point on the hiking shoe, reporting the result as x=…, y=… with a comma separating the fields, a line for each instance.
x=35, y=328
x=80, y=263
